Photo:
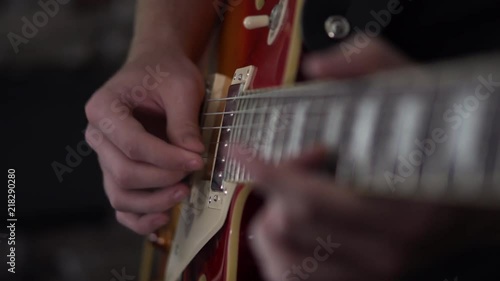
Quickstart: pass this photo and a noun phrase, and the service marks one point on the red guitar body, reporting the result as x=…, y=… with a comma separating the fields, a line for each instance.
x=276, y=65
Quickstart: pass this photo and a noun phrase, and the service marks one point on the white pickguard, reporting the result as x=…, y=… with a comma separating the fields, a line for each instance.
x=201, y=218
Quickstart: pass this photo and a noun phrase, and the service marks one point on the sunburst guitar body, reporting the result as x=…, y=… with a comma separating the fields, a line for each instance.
x=207, y=237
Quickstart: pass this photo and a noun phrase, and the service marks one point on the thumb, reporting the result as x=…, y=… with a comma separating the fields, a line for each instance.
x=182, y=106
x=346, y=60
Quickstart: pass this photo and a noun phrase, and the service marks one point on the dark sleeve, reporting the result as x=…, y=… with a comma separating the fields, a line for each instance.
x=425, y=30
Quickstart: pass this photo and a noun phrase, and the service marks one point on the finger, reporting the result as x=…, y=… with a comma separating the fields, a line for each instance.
x=339, y=63
x=282, y=260
x=288, y=178
x=142, y=224
x=126, y=133
x=273, y=257
x=144, y=202
x=129, y=174
x=182, y=106
x=311, y=159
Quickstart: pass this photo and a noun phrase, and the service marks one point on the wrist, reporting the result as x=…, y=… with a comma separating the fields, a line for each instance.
x=156, y=45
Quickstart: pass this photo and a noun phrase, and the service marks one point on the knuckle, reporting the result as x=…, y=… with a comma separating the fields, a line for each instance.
x=131, y=149
x=123, y=175
x=188, y=84
x=160, y=205
x=92, y=109
x=148, y=227
x=88, y=136
x=141, y=230
x=93, y=137
x=89, y=109
x=174, y=177
x=116, y=201
x=120, y=218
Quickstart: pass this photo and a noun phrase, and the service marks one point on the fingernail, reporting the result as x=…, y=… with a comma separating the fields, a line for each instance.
x=179, y=195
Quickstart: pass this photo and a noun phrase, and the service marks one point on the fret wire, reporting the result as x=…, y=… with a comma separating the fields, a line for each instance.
x=261, y=110
x=235, y=164
x=324, y=106
x=307, y=125
x=300, y=91
x=226, y=127
x=262, y=125
x=253, y=130
x=281, y=133
x=469, y=154
x=429, y=184
x=333, y=123
x=241, y=140
x=318, y=112
x=230, y=129
x=278, y=108
x=257, y=111
x=385, y=141
x=312, y=123
x=302, y=141
x=229, y=174
x=249, y=131
x=270, y=133
x=238, y=138
x=293, y=148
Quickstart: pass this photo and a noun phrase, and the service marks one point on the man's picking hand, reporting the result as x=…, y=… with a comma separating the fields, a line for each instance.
x=143, y=125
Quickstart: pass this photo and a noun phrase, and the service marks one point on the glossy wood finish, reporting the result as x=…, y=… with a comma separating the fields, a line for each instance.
x=227, y=255
x=240, y=47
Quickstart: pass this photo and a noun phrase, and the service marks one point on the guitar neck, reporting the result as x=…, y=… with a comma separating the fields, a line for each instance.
x=427, y=132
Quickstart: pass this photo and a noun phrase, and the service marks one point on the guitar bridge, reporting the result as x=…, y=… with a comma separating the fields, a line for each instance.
x=225, y=168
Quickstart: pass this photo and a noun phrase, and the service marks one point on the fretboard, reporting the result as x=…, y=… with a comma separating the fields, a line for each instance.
x=428, y=132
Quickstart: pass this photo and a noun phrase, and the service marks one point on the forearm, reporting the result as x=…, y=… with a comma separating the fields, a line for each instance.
x=172, y=25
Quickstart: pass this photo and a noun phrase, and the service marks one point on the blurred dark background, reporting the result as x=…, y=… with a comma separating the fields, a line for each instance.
x=66, y=229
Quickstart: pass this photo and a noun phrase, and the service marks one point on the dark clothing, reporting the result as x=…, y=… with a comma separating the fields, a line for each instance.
x=425, y=30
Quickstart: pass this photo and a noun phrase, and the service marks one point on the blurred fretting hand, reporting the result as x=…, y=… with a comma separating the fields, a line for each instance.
x=309, y=229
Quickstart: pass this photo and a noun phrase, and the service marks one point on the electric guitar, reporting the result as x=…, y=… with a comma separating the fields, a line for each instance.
x=426, y=133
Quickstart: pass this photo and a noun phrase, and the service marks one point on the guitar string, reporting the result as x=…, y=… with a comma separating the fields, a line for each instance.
x=327, y=91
